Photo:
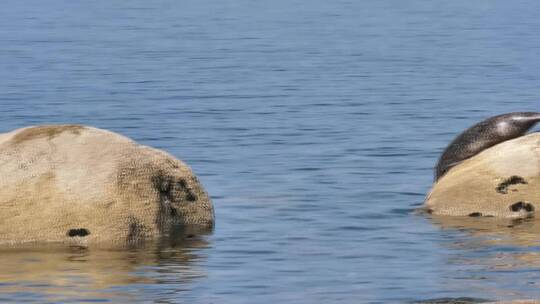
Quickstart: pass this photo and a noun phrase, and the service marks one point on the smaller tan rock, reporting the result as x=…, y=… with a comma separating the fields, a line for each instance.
x=502, y=181
x=76, y=184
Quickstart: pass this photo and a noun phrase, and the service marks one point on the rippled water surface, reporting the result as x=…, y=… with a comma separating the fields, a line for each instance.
x=314, y=125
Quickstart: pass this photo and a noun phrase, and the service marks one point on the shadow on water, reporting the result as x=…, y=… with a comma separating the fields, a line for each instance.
x=57, y=273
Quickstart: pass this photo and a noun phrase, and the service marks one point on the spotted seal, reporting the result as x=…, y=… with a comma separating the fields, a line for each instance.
x=483, y=135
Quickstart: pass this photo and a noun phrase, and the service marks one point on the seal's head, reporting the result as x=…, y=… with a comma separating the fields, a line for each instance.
x=483, y=135
x=515, y=123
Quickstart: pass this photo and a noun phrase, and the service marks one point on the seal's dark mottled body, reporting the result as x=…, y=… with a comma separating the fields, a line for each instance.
x=483, y=135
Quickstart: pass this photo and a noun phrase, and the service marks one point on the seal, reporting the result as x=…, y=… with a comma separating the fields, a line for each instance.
x=483, y=135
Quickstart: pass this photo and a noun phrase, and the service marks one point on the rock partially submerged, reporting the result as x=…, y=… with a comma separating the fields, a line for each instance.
x=502, y=181
x=81, y=185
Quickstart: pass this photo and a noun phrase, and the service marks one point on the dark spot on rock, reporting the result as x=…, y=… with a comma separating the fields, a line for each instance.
x=429, y=210
x=516, y=207
x=173, y=212
x=82, y=232
x=136, y=232
x=163, y=185
x=182, y=183
x=173, y=191
x=184, y=190
x=475, y=214
x=48, y=132
x=512, y=180
x=191, y=197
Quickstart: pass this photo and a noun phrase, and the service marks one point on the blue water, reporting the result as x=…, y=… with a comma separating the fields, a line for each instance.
x=314, y=125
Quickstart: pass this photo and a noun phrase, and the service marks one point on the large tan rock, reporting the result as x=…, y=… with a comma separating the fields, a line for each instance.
x=77, y=184
x=502, y=181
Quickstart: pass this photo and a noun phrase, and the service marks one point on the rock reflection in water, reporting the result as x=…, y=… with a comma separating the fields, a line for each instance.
x=495, y=250
x=54, y=273
x=494, y=231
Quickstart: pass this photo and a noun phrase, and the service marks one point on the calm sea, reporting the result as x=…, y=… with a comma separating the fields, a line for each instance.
x=314, y=125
